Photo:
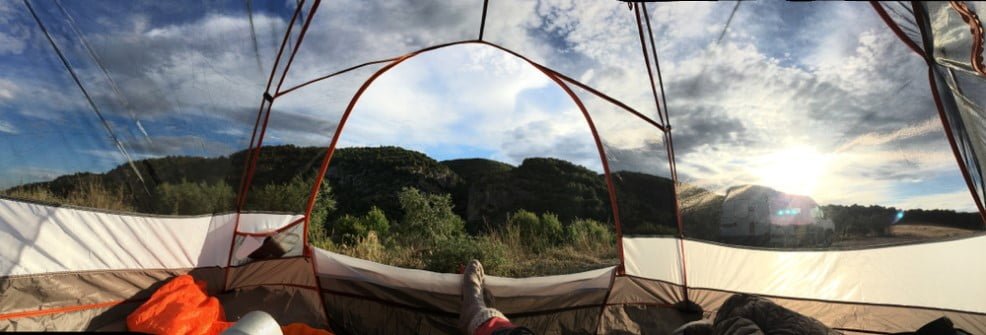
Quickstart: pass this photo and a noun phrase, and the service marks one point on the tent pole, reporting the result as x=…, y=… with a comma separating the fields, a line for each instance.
x=667, y=144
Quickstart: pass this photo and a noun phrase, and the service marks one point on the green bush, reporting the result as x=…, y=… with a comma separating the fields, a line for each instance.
x=537, y=234
x=325, y=204
x=187, y=198
x=287, y=197
x=448, y=255
x=375, y=220
x=292, y=197
x=550, y=230
x=428, y=218
x=349, y=229
x=588, y=233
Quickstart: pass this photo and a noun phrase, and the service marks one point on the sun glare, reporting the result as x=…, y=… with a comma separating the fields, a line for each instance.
x=794, y=170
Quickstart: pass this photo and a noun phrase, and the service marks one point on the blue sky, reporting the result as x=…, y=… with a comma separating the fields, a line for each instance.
x=814, y=98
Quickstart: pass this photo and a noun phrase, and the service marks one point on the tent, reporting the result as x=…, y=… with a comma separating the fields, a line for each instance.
x=103, y=90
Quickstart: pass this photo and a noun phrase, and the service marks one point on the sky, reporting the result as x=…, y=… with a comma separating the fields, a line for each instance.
x=809, y=98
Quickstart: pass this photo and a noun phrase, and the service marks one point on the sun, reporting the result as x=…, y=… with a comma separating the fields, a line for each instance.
x=793, y=170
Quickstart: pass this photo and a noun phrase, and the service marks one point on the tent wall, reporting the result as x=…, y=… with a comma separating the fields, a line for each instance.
x=78, y=279
x=857, y=317
x=89, y=300
x=285, y=288
x=851, y=289
x=74, y=269
x=364, y=297
x=46, y=239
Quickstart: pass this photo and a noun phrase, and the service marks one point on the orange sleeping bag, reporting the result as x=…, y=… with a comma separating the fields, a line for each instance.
x=182, y=307
x=179, y=307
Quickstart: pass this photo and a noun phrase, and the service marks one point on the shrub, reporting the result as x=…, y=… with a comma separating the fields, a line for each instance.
x=325, y=204
x=370, y=248
x=36, y=193
x=449, y=255
x=287, y=197
x=428, y=218
x=292, y=197
x=349, y=229
x=187, y=198
x=84, y=193
x=375, y=220
x=550, y=230
x=588, y=233
x=536, y=233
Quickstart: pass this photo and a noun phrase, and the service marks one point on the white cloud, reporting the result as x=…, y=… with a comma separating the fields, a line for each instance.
x=7, y=89
x=932, y=125
x=10, y=44
x=488, y=101
x=7, y=127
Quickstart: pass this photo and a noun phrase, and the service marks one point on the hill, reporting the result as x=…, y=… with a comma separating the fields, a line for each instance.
x=484, y=192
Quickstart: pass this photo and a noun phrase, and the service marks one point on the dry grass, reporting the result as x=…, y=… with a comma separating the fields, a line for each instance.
x=86, y=194
x=517, y=259
x=927, y=231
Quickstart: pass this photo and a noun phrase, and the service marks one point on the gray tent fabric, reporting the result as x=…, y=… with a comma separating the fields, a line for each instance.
x=939, y=26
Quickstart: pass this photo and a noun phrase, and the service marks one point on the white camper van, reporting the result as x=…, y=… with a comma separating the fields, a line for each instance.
x=761, y=216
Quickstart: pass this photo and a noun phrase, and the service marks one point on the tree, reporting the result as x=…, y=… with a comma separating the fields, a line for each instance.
x=350, y=230
x=537, y=233
x=428, y=218
x=188, y=198
x=588, y=233
x=325, y=204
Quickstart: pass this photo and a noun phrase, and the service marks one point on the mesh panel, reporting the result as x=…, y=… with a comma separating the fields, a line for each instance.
x=596, y=42
x=804, y=144
x=638, y=164
x=493, y=148
x=961, y=95
x=352, y=32
x=173, y=88
x=299, y=129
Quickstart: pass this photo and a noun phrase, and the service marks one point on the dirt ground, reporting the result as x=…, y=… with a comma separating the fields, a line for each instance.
x=927, y=231
x=907, y=233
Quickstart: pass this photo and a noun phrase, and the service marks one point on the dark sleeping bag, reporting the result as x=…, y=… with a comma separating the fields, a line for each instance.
x=745, y=314
x=940, y=326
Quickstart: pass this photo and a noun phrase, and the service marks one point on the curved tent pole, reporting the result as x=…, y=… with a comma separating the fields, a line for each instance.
x=976, y=29
x=896, y=28
x=251, y=161
x=247, y=168
x=264, y=113
x=551, y=74
x=260, y=110
x=351, y=68
x=568, y=79
x=269, y=102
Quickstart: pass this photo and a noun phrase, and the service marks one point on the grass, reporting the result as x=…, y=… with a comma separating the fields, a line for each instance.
x=87, y=194
x=505, y=251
